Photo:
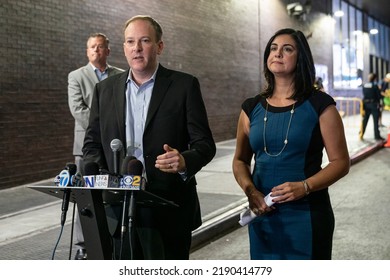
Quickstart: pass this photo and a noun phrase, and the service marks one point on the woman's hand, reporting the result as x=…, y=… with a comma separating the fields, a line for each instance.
x=257, y=203
x=289, y=191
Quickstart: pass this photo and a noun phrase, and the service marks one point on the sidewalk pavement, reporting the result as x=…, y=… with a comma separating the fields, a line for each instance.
x=30, y=220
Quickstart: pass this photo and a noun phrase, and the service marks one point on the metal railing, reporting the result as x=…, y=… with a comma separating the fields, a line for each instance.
x=351, y=110
x=349, y=106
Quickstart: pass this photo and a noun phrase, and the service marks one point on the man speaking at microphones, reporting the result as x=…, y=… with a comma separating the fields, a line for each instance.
x=160, y=117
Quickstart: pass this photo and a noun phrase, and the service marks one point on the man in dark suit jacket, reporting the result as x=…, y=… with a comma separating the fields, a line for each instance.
x=167, y=109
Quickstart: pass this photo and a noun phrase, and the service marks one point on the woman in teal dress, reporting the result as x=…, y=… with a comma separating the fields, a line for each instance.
x=284, y=130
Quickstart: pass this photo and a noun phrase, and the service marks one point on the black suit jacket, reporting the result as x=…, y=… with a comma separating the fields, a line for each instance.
x=176, y=116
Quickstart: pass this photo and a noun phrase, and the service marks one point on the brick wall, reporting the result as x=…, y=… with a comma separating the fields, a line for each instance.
x=221, y=42
x=42, y=41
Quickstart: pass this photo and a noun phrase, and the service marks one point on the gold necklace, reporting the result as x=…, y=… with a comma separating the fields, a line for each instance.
x=288, y=129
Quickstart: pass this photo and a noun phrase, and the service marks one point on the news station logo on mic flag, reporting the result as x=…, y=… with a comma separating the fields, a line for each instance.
x=89, y=181
x=68, y=177
x=131, y=182
x=106, y=181
x=57, y=180
x=64, y=178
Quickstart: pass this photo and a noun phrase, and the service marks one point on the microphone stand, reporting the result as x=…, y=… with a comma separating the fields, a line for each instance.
x=131, y=220
x=65, y=204
x=116, y=163
x=131, y=167
x=125, y=214
x=128, y=214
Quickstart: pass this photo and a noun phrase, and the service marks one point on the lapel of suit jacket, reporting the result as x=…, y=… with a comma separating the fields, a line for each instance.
x=119, y=95
x=90, y=73
x=110, y=70
x=159, y=91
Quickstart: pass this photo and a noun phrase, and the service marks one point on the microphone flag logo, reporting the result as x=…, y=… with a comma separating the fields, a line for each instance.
x=132, y=182
x=64, y=178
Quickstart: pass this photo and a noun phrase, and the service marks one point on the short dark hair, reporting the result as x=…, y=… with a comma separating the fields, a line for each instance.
x=101, y=35
x=372, y=77
x=305, y=71
x=156, y=26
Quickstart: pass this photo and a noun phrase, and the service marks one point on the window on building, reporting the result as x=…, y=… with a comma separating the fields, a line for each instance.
x=348, y=48
x=378, y=47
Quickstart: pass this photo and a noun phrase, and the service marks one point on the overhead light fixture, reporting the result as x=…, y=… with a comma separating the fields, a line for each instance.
x=374, y=31
x=295, y=9
x=339, y=13
x=298, y=10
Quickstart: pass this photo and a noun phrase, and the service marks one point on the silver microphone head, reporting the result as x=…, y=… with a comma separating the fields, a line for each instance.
x=116, y=145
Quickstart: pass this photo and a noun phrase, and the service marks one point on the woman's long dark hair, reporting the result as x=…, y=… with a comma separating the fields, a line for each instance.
x=305, y=71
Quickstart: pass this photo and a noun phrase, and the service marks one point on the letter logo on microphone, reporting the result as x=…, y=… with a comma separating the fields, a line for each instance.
x=89, y=181
x=91, y=169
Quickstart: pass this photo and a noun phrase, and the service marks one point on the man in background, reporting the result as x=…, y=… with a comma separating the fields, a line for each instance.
x=81, y=83
x=371, y=103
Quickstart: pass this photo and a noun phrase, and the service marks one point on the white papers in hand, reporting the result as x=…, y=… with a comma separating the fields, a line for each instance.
x=247, y=216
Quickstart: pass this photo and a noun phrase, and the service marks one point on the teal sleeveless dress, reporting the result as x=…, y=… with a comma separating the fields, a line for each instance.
x=301, y=229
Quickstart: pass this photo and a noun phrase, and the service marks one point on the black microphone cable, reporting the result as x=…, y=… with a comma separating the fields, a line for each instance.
x=58, y=241
x=71, y=236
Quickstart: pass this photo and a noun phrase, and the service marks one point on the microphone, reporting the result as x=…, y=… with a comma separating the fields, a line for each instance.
x=134, y=168
x=57, y=180
x=131, y=181
x=116, y=146
x=125, y=163
x=65, y=180
x=131, y=174
x=91, y=169
x=107, y=180
x=77, y=180
x=128, y=161
x=65, y=176
x=99, y=178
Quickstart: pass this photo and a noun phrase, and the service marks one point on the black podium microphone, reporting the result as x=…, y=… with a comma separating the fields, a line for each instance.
x=70, y=171
x=126, y=198
x=116, y=146
x=134, y=168
x=131, y=169
x=91, y=169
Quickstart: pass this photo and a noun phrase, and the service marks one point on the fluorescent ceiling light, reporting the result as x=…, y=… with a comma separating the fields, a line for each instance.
x=374, y=31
